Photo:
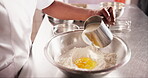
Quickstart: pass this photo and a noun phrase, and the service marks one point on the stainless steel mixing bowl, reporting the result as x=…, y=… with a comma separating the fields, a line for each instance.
x=62, y=43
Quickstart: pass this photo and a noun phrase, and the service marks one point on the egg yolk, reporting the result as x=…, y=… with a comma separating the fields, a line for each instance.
x=85, y=63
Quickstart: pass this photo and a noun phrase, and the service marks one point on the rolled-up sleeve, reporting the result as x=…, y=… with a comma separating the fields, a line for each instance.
x=41, y=4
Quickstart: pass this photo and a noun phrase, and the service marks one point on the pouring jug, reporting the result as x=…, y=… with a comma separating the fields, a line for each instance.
x=96, y=32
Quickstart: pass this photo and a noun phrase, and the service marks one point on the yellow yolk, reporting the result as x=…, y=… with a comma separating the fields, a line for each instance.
x=85, y=63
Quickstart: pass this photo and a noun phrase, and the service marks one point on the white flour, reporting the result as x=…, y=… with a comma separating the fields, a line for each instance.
x=103, y=60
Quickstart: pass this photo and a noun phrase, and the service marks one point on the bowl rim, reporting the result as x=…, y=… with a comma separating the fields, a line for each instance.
x=122, y=63
x=123, y=4
x=56, y=27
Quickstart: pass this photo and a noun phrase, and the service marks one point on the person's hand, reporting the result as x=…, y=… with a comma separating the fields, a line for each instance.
x=108, y=15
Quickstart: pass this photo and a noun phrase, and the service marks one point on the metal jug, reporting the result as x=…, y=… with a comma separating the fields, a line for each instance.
x=96, y=32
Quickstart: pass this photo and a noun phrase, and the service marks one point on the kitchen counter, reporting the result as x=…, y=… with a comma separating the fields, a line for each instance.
x=38, y=66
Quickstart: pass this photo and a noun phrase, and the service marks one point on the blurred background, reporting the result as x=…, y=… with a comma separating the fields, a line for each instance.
x=142, y=4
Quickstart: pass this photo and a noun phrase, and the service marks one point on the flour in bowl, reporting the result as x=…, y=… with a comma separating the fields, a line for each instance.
x=87, y=58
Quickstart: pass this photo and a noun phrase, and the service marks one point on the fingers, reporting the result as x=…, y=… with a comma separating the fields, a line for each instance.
x=110, y=10
x=108, y=15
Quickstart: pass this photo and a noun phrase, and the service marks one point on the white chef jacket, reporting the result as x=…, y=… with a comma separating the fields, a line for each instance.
x=16, y=17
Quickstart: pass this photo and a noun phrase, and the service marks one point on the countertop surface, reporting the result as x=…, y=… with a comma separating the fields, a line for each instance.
x=137, y=39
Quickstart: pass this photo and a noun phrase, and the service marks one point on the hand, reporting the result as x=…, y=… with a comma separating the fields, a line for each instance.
x=108, y=15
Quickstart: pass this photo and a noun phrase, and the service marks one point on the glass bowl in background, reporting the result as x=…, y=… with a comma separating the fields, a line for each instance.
x=62, y=43
x=122, y=25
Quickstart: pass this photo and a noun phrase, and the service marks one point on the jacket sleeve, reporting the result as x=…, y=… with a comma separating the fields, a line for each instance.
x=41, y=4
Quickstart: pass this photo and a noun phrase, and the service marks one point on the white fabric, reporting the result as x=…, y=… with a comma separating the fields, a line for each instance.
x=43, y=3
x=16, y=17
